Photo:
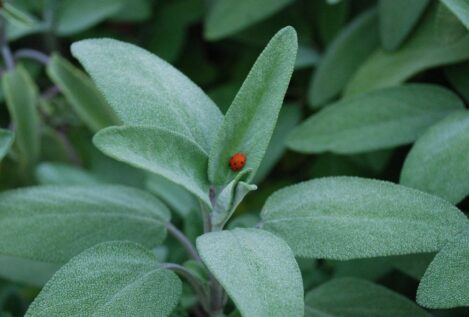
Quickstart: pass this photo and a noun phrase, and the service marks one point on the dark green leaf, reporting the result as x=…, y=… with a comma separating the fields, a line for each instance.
x=6, y=140
x=64, y=174
x=457, y=75
x=460, y=8
x=349, y=217
x=376, y=120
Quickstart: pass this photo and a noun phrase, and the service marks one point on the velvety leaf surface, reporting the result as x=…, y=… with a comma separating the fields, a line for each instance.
x=145, y=90
x=376, y=120
x=445, y=284
x=6, y=140
x=230, y=16
x=437, y=163
x=54, y=223
x=343, y=57
x=397, y=19
x=21, y=98
x=82, y=94
x=423, y=50
x=349, y=217
x=26, y=271
x=352, y=297
x=460, y=8
x=75, y=16
x=249, y=122
x=159, y=151
x=110, y=279
x=257, y=269
x=51, y=173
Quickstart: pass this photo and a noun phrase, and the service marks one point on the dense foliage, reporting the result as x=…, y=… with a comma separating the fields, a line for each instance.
x=255, y=158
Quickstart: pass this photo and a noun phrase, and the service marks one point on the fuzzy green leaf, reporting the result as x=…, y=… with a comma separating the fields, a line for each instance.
x=21, y=99
x=352, y=297
x=437, y=162
x=257, y=270
x=6, y=140
x=343, y=57
x=251, y=118
x=349, y=217
x=110, y=279
x=228, y=17
x=376, y=120
x=423, y=50
x=460, y=8
x=145, y=90
x=82, y=94
x=397, y=19
x=54, y=223
x=63, y=174
x=445, y=284
x=159, y=151
x=76, y=16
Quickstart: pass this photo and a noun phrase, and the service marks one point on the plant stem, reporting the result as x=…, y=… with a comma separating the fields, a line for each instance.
x=32, y=54
x=185, y=242
x=198, y=287
x=206, y=217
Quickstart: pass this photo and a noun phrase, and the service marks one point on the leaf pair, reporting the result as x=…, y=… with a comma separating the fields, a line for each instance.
x=171, y=127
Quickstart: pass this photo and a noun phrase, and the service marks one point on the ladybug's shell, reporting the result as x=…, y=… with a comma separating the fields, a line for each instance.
x=237, y=161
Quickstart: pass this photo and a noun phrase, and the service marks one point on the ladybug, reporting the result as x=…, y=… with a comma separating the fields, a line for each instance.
x=237, y=161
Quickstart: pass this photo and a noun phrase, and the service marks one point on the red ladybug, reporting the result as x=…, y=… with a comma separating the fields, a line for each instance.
x=237, y=161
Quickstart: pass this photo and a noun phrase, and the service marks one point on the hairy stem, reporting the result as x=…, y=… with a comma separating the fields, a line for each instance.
x=185, y=242
x=32, y=54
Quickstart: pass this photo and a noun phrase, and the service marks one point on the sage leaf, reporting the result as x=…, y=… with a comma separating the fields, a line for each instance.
x=437, y=162
x=82, y=94
x=349, y=217
x=54, y=223
x=249, y=122
x=343, y=57
x=257, y=270
x=423, y=50
x=52, y=173
x=397, y=19
x=460, y=8
x=445, y=284
x=231, y=16
x=141, y=87
x=110, y=279
x=159, y=151
x=76, y=16
x=380, y=119
x=26, y=271
x=352, y=297
x=21, y=98
x=6, y=140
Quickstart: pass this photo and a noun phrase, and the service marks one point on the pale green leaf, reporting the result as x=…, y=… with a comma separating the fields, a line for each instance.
x=343, y=57
x=249, y=122
x=257, y=270
x=82, y=94
x=352, y=297
x=145, y=90
x=423, y=50
x=397, y=19
x=159, y=151
x=110, y=279
x=6, y=140
x=21, y=98
x=76, y=16
x=460, y=8
x=52, y=173
x=437, y=163
x=376, y=120
x=445, y=284
x=54, y=223
x=227, y=17
x=349, y=217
